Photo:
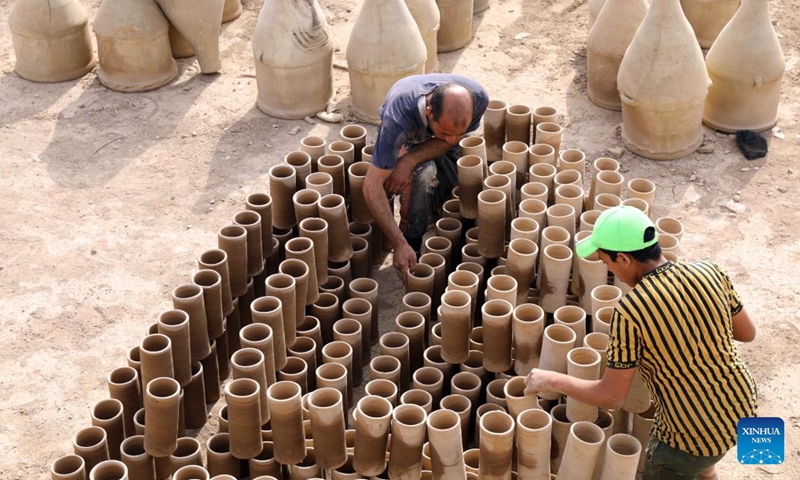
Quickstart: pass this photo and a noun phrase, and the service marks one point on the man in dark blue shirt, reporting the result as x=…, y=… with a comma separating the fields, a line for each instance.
x=422, y=120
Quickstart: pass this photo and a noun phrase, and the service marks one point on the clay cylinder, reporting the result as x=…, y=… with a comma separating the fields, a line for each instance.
x=109, y=470
x=189, y=298
x=217, y=260
x=605, y=47
x=191, y=472
x=373, y=415
x=358, y=206
x=316, y=230
x=220, y=460
x=360, y=263
x=518, y=124
x=496, y=445
x=301, y=162
x=356, y=135
x=155, y=352
x=494, y=128
x=397, y=345
x=302, y=249
x=492, y=218
x=360, y=309
x=162, y=403
x=385, y=367
x=332, y=210
x=383, y=388
x=400, y=49
x=334, y=166
x=520, y=265
x=534, y=429
x=282, y=287
x=528, y=326
x=421, y=280
x=746, y=71
x=244, y=416
x=473, y=146
x=294, y=77
x=327, y=311
x=260, y=336
x=622, y=454
x=90, y=444
x=455, y=318
x=296, y=370
x=408, y=435
x=431, y=380
x=516, y=399
x=251, y=222
x=140, y=464
x=527, y=228
x=51, y=40
x=468, y=385
x=573, y=317
x=662, y=115
x=269, y=310
x=314, y=146
x=554, y=270
x=133, y=46
x=211, y=283
x=287, y=422
x=455, y=28
x=333, y=375
x=502, y=287
x=541, y=153
x=327, y=427
x=550, y=133
x=418, y=397
x=123, y=385
x=367, y=289
x=282, y=186
x=249, y=363
x=342, y=353
x=412, y=325
x=584, y=363
x=447, y=452
x=108, y=415
x=233, y=240
x=305, y=349
x=200, y=26
x=426, y=15
x=264, y=464
x=496, y=335
x=558, y=341
x=581, y=451
x=189, y=452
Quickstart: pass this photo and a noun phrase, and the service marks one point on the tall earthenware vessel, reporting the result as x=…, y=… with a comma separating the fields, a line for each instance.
x=606, y=45
x=455, y=30
x=708, y=17
x=51, y=39
x=663, y=84
x=200, y=23
x=426, y=15
x=133, y=46
x=294, y=54
x=408, y=434
x=746, y=67
x=534, y=429
x=373, y=416
x=385, y=46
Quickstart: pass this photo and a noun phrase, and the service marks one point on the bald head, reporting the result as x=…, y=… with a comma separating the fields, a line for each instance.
x=454, y=102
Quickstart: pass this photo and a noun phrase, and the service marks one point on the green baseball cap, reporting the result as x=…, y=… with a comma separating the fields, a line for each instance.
x=618, y=229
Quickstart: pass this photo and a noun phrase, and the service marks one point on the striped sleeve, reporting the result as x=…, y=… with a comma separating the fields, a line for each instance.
x=734, y=302
x=624, y=348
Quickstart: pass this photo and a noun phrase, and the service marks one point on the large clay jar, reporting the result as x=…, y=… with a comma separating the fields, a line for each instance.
x=455, y=30
x=708, y=17
x=244, y=415
x=294, y=56
x=426, y=15
x=663, y=84
x=621, y=457
x=133, y=46
x=534, y=429
x=746, y=67
x=447, y=451
x=200, y=24
x=385, y=46
x=285, y=406
x=162, y=404
x=51, y=40
x=373, y=415
x=496, y=445
x=581, y=451
x=616, y=25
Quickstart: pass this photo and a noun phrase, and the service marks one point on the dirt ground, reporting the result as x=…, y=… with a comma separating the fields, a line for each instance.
x=109, y=198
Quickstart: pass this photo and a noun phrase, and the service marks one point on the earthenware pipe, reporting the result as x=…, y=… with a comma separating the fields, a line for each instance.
x=541, y=153
x=306, y=204
x=360, y=309
x=189, y=452
x=162, y=403
x=622, y=455
x=316, y=230
x=326, y=411
x=140, y=464
x=517, y=400
x=303, y=249
x=533, y=437
x=287, y=422
x=260, y=337
x=491, y=216
x=494, y=128
x=444, y=434
x=320, y=182
x=474, y=145
x=583, y=363
x=397, y=345
x=233, y=240
x=463, y=407
x=264, y=464
x=332, y=210
x=581, y=451
x=282, y=186
x=496, y=316
x=431, y=380
x=367, y=289
x=217, y=260
x=90, y=444
x=470, y=184
x=269, y=310
x=573, y=317
x=155, y=353
x=456, y=310
x=528, y=324
x=283, y=287
x=333, y=165
x=386, y=367
x=211, y=283
x=521, y=264
x=421, y=280
x=408, y=435
x=554, y=271
x=359, y=210
x=558, y=341
x=296, y=370
x=123, y=385
x=373, y=416
x=412, y=325
x=251, y=222
x=333, y=375
x=220, y=460
x=496, y=445
x=516, y=153
x=327, y=311
x=342, y=353
x=109, y=469
x=518, y=124
x=108, y=415
x=249, y=363
x=550, y=133
x=300, y=271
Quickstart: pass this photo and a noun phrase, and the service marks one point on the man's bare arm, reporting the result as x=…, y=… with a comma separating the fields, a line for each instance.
x=398, y=178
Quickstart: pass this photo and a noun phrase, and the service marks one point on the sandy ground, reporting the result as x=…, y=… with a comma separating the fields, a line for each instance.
x=109, y=198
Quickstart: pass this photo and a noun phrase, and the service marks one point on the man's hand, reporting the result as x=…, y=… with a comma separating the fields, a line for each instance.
x=399, y=178
x=405, y=260
x=538, y=381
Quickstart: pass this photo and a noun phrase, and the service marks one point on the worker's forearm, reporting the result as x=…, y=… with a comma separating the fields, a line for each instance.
x=379, y=206
x=586, y=391
x=427, y=150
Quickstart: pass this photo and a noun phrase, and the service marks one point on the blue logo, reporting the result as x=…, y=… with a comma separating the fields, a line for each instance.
x=761, y=441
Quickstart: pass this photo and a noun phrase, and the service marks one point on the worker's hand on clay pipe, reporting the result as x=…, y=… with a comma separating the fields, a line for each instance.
x=405, y=260
x=399, y=178
x=538, y=381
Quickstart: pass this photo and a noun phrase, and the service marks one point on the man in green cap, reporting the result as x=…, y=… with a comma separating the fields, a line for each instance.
x=676, y=327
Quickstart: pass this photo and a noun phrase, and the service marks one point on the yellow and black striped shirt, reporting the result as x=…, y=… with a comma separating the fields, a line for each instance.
x=675, y=326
